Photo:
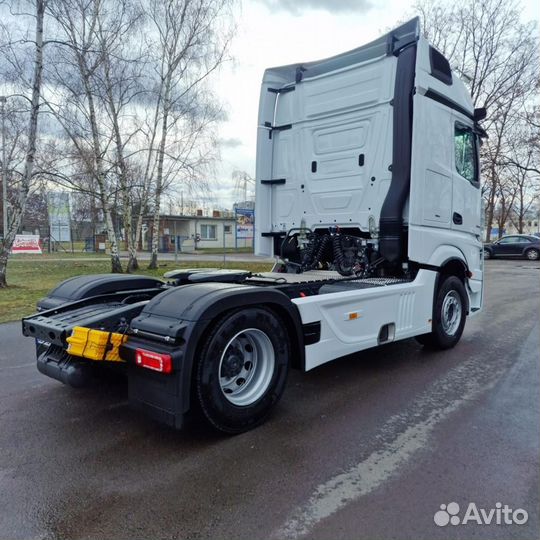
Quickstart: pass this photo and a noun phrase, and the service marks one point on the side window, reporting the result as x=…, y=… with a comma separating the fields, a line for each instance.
x=440, y=67
x=509, y=240
x=465, y=152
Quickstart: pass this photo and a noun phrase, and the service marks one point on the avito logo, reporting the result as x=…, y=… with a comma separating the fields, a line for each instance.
x=500, y=515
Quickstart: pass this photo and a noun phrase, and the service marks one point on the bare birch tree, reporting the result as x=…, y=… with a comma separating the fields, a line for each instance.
x=192, y=42
x=522, y=167
x=497, y=55
x=149, y=134
x=87, y=102
x=120, y=83
x=18, y=202
x=129, y=120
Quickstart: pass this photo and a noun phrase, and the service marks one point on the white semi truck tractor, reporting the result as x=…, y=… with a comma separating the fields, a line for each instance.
x=368, y=196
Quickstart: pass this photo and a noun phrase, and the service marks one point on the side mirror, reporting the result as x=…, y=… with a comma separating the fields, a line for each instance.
x=480, y=114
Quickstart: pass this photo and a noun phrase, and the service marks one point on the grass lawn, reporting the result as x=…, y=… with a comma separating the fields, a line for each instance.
x=218, y=250
x=30, y=279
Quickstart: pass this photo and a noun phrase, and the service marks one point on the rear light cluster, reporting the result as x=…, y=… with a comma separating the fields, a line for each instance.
x=154, y=361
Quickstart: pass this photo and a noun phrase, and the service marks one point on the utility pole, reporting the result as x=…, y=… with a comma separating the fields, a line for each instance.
x=3, y=100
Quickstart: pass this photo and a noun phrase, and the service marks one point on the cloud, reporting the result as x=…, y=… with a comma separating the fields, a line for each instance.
x=333, y=6
x=231, y=142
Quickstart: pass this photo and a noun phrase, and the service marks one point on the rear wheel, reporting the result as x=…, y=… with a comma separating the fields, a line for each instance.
x=532, y=254
x=449, y=315
x=242, y=369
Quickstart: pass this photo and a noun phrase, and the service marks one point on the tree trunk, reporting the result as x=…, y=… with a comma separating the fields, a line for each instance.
x=491, y=206
x=157, y=204
x=147, y=184
x=500, y=218
x=116, y=265
x=155, y=240
x=17, y=210
x=159, y=178
x=4, y=254
x=124, y=188
x=522, y=209
x=133, y=263
x=128, y=229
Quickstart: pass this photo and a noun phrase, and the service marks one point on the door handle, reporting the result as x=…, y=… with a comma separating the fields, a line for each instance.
x=457, y=218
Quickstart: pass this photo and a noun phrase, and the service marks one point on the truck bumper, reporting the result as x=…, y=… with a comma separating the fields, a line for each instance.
x=157, y=395
x=57, y=364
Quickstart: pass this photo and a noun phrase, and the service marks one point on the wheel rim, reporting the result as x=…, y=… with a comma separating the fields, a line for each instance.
x=451, y=312
x=246, y=367
x=532, y=255
x=487, y=254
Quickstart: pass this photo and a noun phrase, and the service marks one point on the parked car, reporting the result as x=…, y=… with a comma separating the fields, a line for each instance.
x=514, y=245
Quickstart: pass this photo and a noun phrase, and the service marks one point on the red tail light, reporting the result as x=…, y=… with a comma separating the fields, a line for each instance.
x=153, y=360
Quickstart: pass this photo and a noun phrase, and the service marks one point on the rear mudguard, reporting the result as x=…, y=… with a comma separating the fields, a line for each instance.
x=80, y=287
x=174, y=321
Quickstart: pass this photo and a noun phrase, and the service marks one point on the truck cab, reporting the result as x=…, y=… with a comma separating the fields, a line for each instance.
x=381, y=141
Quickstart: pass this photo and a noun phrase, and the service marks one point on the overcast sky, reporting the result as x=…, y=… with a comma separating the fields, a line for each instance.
x=277, y=32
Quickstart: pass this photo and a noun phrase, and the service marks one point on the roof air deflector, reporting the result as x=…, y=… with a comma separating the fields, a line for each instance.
x=390, y=43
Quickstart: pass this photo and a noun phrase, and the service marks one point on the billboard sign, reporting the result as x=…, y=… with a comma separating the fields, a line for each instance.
x=59, y=216
x=26, y=243
x=245, y=219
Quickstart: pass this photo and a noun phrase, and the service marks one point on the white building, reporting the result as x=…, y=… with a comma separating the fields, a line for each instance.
x=191, y=232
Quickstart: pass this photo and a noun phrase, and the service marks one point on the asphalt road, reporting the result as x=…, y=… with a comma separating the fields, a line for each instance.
x=365, y=447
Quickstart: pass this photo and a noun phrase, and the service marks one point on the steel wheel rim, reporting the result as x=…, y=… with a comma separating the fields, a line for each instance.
x=246, y=367
x=451, y=312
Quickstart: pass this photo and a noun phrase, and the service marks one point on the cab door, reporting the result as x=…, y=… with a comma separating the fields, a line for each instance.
x=431, y=167
x=465, y=178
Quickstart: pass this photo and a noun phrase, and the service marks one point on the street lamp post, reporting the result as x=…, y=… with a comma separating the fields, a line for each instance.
x=3, y=100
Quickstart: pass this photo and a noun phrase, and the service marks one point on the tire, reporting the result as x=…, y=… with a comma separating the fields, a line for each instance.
x=532, y=254
x=241, y=370
x=449, y=314
x=487, y=254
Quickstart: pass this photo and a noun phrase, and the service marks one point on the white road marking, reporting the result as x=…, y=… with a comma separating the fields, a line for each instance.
x=405, y=437
x=33, y=364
